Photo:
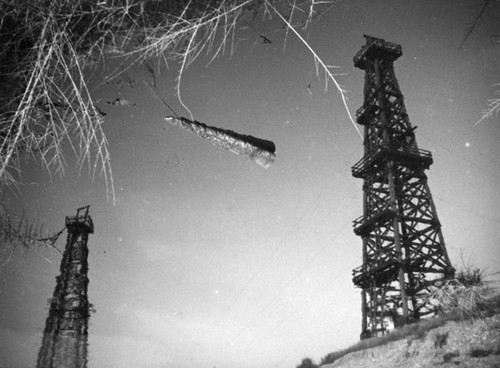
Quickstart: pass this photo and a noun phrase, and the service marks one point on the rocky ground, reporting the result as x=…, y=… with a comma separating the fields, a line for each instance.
x=474, y=344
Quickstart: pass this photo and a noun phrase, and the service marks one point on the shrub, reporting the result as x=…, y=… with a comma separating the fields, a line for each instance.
x=307, y=363
x=464, y=295
x=470, y=277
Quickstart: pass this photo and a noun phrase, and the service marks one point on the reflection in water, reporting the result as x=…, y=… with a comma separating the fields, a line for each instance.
x=64, y=343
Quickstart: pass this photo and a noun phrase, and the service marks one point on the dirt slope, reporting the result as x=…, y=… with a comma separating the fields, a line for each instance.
x=474, y=344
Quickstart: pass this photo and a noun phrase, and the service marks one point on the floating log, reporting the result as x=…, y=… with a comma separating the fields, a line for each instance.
x=258, y=150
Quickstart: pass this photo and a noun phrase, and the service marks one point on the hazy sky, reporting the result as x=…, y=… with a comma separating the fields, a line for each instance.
x=207, y=259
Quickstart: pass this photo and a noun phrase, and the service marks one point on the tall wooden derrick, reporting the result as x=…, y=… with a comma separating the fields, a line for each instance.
x=64, y=342
x=404, y=253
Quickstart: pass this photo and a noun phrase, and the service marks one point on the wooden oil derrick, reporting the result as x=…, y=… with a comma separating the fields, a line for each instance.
x=64, y=342
x=404, y=253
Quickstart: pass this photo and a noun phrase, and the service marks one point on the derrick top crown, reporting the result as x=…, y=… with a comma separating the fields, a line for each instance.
x=81, y=223
x=377, y=48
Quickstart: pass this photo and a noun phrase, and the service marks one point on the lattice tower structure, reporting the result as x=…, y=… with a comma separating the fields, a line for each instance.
x=404, y=254
x=64, y=342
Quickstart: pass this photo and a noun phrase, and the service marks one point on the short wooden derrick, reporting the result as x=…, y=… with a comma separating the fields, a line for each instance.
x=64, y=342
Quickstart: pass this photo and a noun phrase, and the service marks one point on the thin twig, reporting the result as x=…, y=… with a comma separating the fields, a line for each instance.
x=475, y=24
x=319, y=62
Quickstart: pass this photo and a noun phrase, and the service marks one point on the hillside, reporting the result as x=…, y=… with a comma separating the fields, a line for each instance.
x=472, y=343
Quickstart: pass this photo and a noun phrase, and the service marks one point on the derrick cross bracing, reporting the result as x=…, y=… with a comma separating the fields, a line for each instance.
x=64, y=342
x=404, y=254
